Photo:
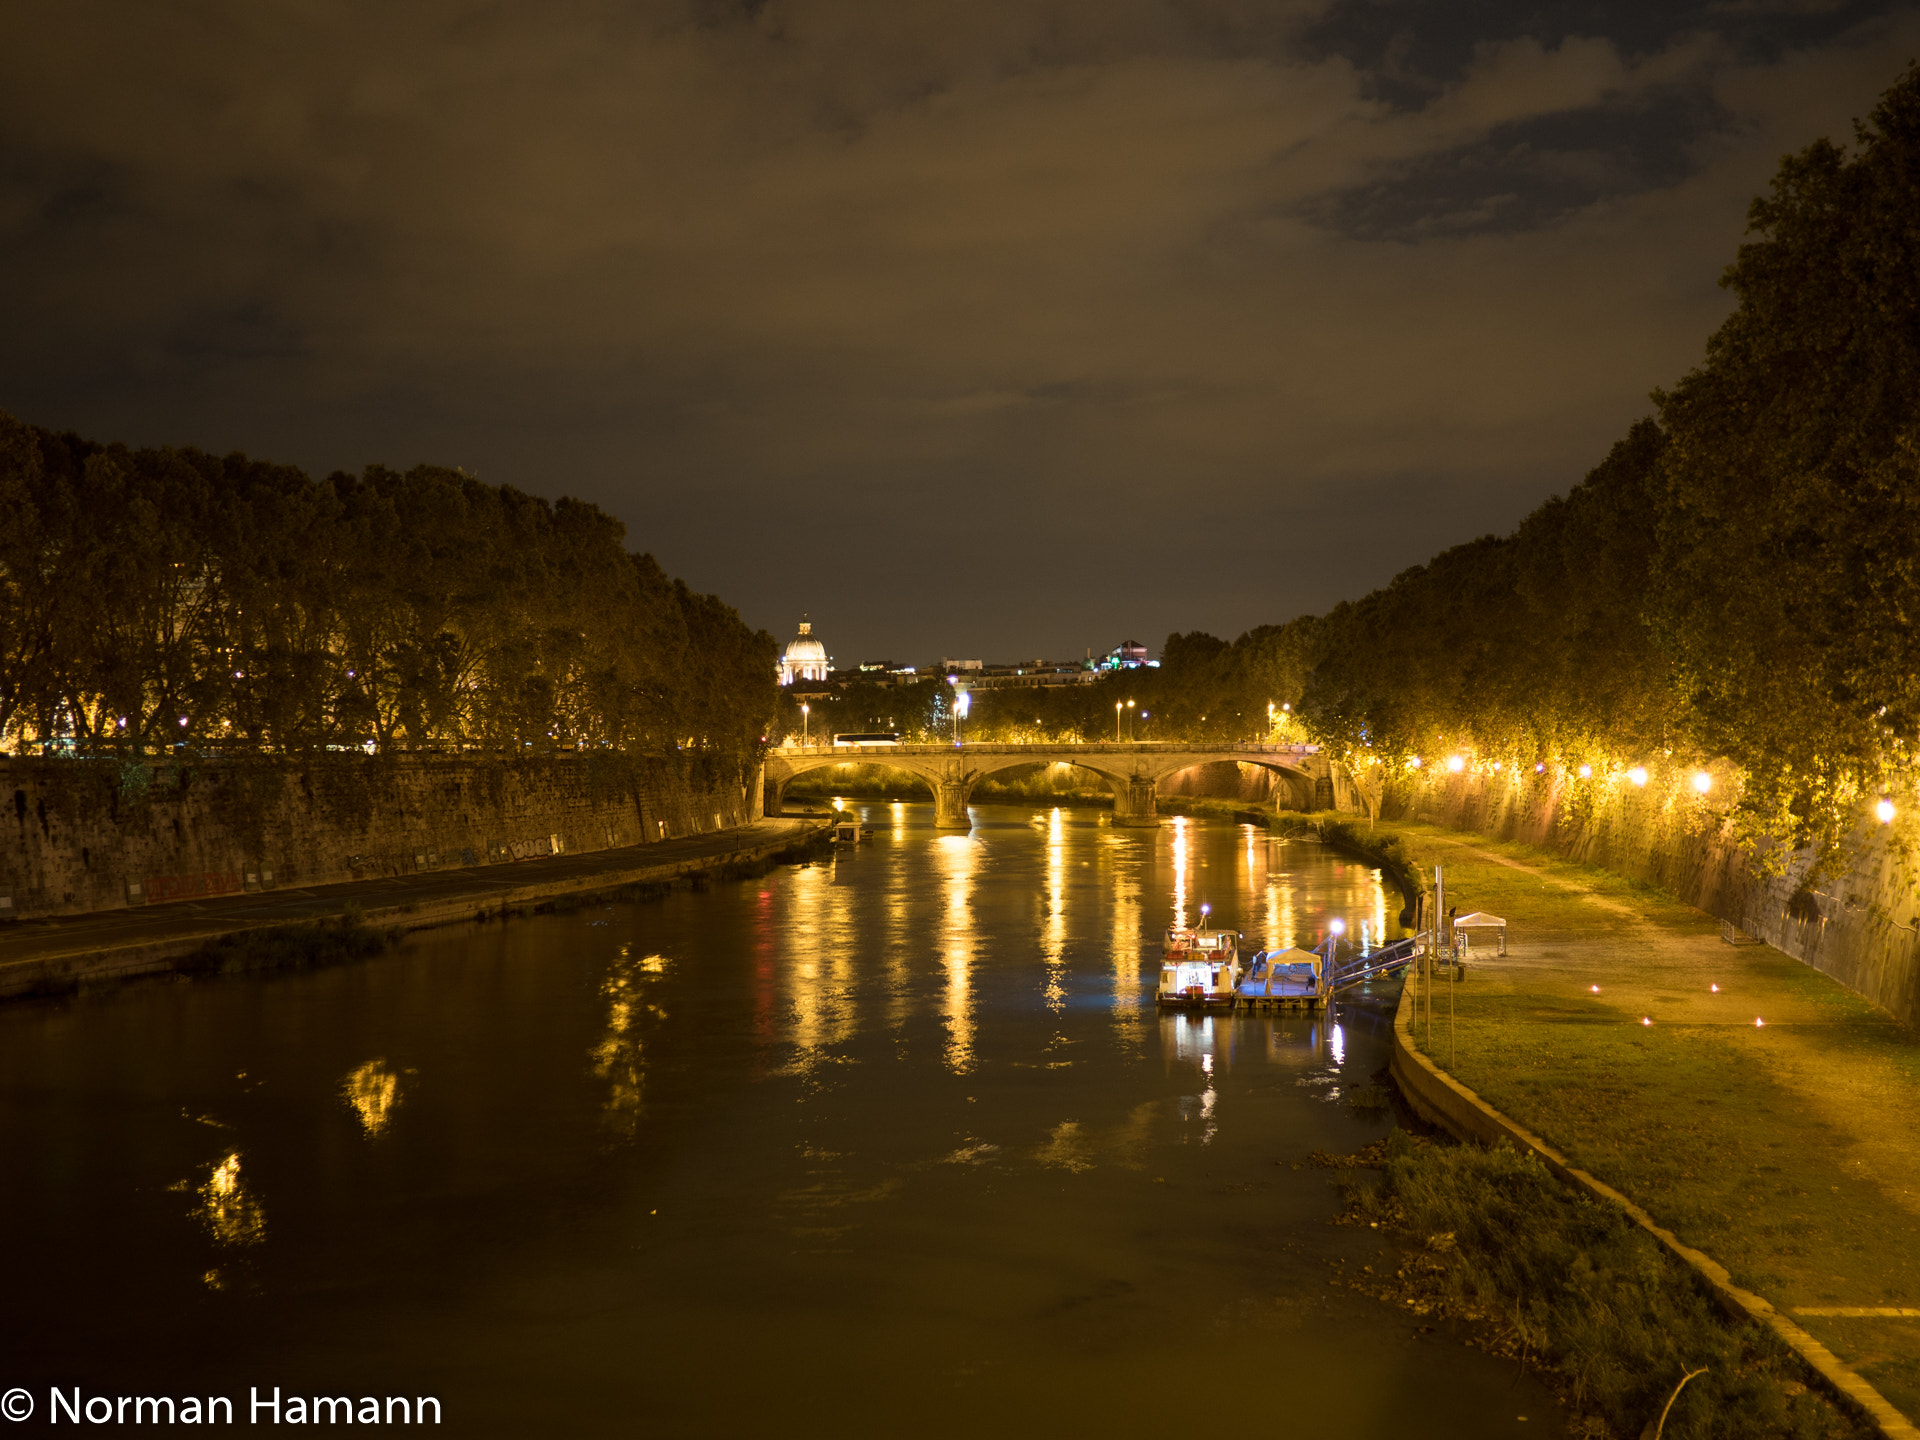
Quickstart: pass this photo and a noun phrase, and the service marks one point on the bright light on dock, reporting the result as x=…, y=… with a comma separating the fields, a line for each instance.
x=1646, y=1019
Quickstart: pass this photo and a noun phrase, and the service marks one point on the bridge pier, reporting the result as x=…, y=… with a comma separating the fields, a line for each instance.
x=950, y=805
x=1136, y=802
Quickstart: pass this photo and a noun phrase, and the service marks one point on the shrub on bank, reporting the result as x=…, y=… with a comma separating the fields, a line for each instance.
x=1594, y=1296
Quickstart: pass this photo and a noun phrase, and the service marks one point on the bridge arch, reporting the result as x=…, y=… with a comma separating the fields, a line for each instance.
x=779, y=775
x=1297, y=789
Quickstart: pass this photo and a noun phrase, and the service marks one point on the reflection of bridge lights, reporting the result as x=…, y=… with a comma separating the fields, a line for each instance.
x=1338, y=927
x=1885, y=812
x=1638, y=775
x=1702, y=782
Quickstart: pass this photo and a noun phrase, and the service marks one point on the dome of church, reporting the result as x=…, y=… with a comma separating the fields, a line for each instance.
x=805, y=657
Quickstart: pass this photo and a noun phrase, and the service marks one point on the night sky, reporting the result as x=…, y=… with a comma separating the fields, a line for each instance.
x=972, y=328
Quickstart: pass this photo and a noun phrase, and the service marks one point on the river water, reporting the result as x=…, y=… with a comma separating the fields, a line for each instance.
x=895, y=1144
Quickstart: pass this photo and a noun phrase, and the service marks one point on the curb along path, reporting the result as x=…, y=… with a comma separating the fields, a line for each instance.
x=1439, y=1099
x=58, y=954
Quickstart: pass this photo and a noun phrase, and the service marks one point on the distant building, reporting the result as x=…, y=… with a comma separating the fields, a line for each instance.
x=1035, y=675
x=805, y=658
x=1127, y=655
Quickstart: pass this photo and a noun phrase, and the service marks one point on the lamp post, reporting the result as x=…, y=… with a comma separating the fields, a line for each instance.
x=1116, y=722
x=1129, y=720
x=962, y=703
x=804, y=741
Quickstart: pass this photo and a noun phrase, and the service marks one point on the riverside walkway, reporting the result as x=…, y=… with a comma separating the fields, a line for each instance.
x=1759, y=1110
x=39, y=956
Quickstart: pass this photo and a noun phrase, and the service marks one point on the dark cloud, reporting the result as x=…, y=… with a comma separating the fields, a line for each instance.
x=990, y=326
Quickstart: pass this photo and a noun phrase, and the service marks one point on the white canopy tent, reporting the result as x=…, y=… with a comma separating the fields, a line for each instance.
x=1480, y=920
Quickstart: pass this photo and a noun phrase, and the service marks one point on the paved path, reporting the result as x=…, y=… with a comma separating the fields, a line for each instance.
x=38, y=955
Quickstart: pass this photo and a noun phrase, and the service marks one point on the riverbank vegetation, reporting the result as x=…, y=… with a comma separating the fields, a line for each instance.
x=1570, y=1285
x=165, y=602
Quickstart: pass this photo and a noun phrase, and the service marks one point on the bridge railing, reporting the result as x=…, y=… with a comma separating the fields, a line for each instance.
x=877, y=754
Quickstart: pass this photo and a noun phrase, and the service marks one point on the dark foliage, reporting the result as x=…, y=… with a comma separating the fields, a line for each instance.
x=160, y=600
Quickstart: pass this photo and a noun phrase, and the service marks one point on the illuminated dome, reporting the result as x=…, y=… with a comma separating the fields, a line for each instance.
x=805, y=658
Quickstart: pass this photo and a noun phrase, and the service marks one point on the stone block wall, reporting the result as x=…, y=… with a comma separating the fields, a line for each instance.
x=1861, y=926
x=84, y=835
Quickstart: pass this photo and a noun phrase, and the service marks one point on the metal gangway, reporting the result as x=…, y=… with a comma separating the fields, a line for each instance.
x=1361, y=966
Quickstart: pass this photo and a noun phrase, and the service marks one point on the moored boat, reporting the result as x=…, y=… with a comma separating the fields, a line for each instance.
x=1200, y=968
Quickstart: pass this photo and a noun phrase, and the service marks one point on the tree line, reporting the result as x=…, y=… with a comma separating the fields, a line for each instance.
x=160, y=600
x=1739, y=579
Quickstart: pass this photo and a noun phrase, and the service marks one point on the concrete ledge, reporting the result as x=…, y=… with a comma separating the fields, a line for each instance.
x=1439, y=1099
x=58, y=955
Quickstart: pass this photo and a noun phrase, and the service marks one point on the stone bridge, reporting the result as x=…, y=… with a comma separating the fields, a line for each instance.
x=1132, y=771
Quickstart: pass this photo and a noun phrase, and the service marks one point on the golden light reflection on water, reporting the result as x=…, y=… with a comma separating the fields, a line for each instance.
x=1120, y=860
x=955, y=857
x=817, y=971
x=900, y=935
x=229, y=1209
x=620, y=1057
x=1053, y=932
x=373, y=1091
x=1181, y=841
x=1066, y=1148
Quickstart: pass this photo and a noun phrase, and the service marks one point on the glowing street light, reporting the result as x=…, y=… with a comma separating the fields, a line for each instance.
x=1456, y=764
x=1638, y=775
x=1586, y=772
x=1130, y=719
x=1884, y=811
x=803, y=722
x=1702, y=782
x=1117, y=707
x=962, y=703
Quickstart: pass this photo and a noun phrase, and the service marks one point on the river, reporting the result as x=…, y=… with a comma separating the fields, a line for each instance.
x=895, y=1144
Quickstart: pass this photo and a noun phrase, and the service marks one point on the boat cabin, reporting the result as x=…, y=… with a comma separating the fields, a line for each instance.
x=1200, y=967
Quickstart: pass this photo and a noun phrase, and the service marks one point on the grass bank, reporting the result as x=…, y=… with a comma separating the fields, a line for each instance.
x=1755, y=1107
x=1563, y=1282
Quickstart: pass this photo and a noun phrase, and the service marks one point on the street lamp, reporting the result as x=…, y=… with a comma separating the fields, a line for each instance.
x=1116, y=722
x=803, y=725
x=962, y=703
x=1129, y=719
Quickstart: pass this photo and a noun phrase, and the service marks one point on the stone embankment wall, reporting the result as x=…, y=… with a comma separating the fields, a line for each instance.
x=1861, y=926
x=84, y=835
